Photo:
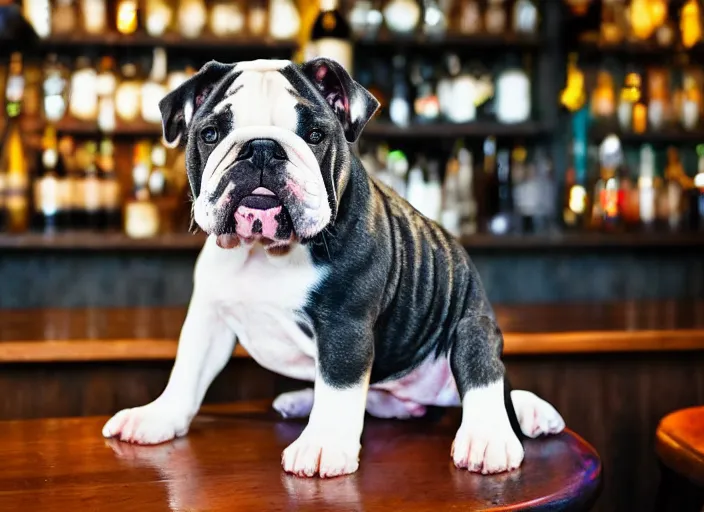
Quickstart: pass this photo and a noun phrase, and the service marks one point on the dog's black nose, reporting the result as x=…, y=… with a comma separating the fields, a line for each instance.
x=261, y=152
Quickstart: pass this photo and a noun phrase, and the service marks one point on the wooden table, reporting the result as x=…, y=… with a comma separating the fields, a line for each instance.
x=230, y=461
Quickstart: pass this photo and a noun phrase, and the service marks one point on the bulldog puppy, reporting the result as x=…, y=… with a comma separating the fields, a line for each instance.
x=325, y=275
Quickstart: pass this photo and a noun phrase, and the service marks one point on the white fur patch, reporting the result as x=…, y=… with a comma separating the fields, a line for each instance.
x=536, y=416
x=485, y=441
x=262, y=65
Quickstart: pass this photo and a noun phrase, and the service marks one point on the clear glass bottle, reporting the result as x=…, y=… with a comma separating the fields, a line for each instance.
x=127, y=95
x=64, y=18
x=107, y=86
x=284, y=19
x=55, y=90
x=95, y=16
x=159, y=16
x=154, y=88
x=227, y=18
x=192, y=17
x=127, y=21
x=83, y=103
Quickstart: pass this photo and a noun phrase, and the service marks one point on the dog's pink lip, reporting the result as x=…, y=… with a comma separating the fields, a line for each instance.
x=262, y=191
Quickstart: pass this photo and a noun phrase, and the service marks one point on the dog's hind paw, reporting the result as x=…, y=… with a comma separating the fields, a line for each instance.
x=536, y=416
x=150, y=424
x=294, y=404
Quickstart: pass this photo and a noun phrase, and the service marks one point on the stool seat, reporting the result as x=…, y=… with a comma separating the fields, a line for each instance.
x=230, y=460
x=679, y=443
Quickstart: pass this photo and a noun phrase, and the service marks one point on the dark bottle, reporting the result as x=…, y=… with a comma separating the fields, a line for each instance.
x=331, y=35
x=502, y=222
x=110, y=193
x=488, y=194
x=92, y=190
x=399, y=107
x=47, y=192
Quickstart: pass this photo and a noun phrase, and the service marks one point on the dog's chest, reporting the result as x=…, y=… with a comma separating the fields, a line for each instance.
x=261, y=298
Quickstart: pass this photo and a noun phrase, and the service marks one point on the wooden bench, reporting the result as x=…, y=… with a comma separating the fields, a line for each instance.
x=231, y=461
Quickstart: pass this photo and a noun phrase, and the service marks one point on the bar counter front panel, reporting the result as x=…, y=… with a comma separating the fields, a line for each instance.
x=611, y=369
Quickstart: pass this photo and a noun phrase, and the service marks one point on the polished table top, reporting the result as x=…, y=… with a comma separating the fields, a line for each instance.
x=230, y=461
x=151, y=333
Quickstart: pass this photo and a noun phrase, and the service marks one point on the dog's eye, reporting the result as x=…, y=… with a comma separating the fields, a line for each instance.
x=209, y=135
x=314, y=136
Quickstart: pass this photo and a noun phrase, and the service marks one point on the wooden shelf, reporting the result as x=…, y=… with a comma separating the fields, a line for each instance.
x=102, y=242
x=665, y=136
x=204, y=42
x=130, y=334
x=383, y=129
x=90, y=129
x=420, y=42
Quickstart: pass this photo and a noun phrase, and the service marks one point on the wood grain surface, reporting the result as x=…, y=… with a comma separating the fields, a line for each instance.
x=680, y=443
x=124, y=334
x=230, y=461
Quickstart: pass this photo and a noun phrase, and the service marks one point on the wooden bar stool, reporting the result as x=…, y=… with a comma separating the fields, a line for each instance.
x=679, y=444
x=231, y=461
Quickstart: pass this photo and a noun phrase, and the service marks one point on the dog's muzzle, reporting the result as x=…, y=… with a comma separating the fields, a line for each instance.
x=259, y=216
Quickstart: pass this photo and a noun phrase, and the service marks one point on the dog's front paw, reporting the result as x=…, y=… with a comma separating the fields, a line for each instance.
x=536, y=416
x=320, y=454
x=150, y=424
x=487, y=447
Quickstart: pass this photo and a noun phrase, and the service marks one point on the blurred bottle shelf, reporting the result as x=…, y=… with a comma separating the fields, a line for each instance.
x=635, y=49
x=79, y=41
x=101, y=242
x=674, y=135
x=449, y=130
x=420, y=42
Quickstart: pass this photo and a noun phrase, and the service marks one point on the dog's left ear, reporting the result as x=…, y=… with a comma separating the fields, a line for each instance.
x=180, y=105
x=352, y=103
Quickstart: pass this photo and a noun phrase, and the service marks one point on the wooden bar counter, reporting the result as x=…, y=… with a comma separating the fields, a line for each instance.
x=612, y=370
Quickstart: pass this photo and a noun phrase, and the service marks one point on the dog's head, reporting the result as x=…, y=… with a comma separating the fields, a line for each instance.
x=267, y=145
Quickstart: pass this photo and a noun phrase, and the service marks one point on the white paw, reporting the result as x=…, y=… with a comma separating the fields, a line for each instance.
x=150, y=424
x=536, y=416
x=487, y=447
x=295, y=404
x=316, y=454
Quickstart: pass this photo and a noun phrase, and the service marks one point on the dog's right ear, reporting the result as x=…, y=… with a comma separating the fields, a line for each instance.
x=180, y=105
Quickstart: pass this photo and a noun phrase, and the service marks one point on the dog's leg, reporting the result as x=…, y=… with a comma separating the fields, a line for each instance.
x=485, y=441
x=205, y=346
x=330, y=443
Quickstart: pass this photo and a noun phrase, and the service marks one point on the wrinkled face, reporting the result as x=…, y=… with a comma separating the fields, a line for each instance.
x=267, y=146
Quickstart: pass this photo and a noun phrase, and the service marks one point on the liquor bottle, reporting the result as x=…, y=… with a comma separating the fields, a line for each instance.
x=658, y=105
x=127, y=94
x=696, y=208
x=690, y=23
x=603, y=102
x=47, y=198
x=646, y=187
x=257, y=18
x=630, y=94
x=83, y=104
x=106, y=83
x=32, y=100
x=67, y=180
x=14, y=166
x=495, y=17
x=402, y=16
x=227, y=18
x=95, y=16
x=127, y=16
x=141, y=214
x=158, y=17
x=691, y=103
x=451, y=205
x=38, y=13
x=399, y=107
x=673, y=190
x=470, y=17
x=64, y=19
x=525, y=17
x=331, y=35
x=154, y=88
x=433, y=192
x=468, y=204
x=365, y=19
x=434, y=19
x=92, y=189
x=513, y=94
x=284, y=19
x=524, y=180
x=606, y=214
x=489, y=187
x=502, y=221
x=415, y=191
x=545, y=192
x=110, y=194
x=398, y=167
x=629, y=197
x=55, y=90
x=426, y=105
